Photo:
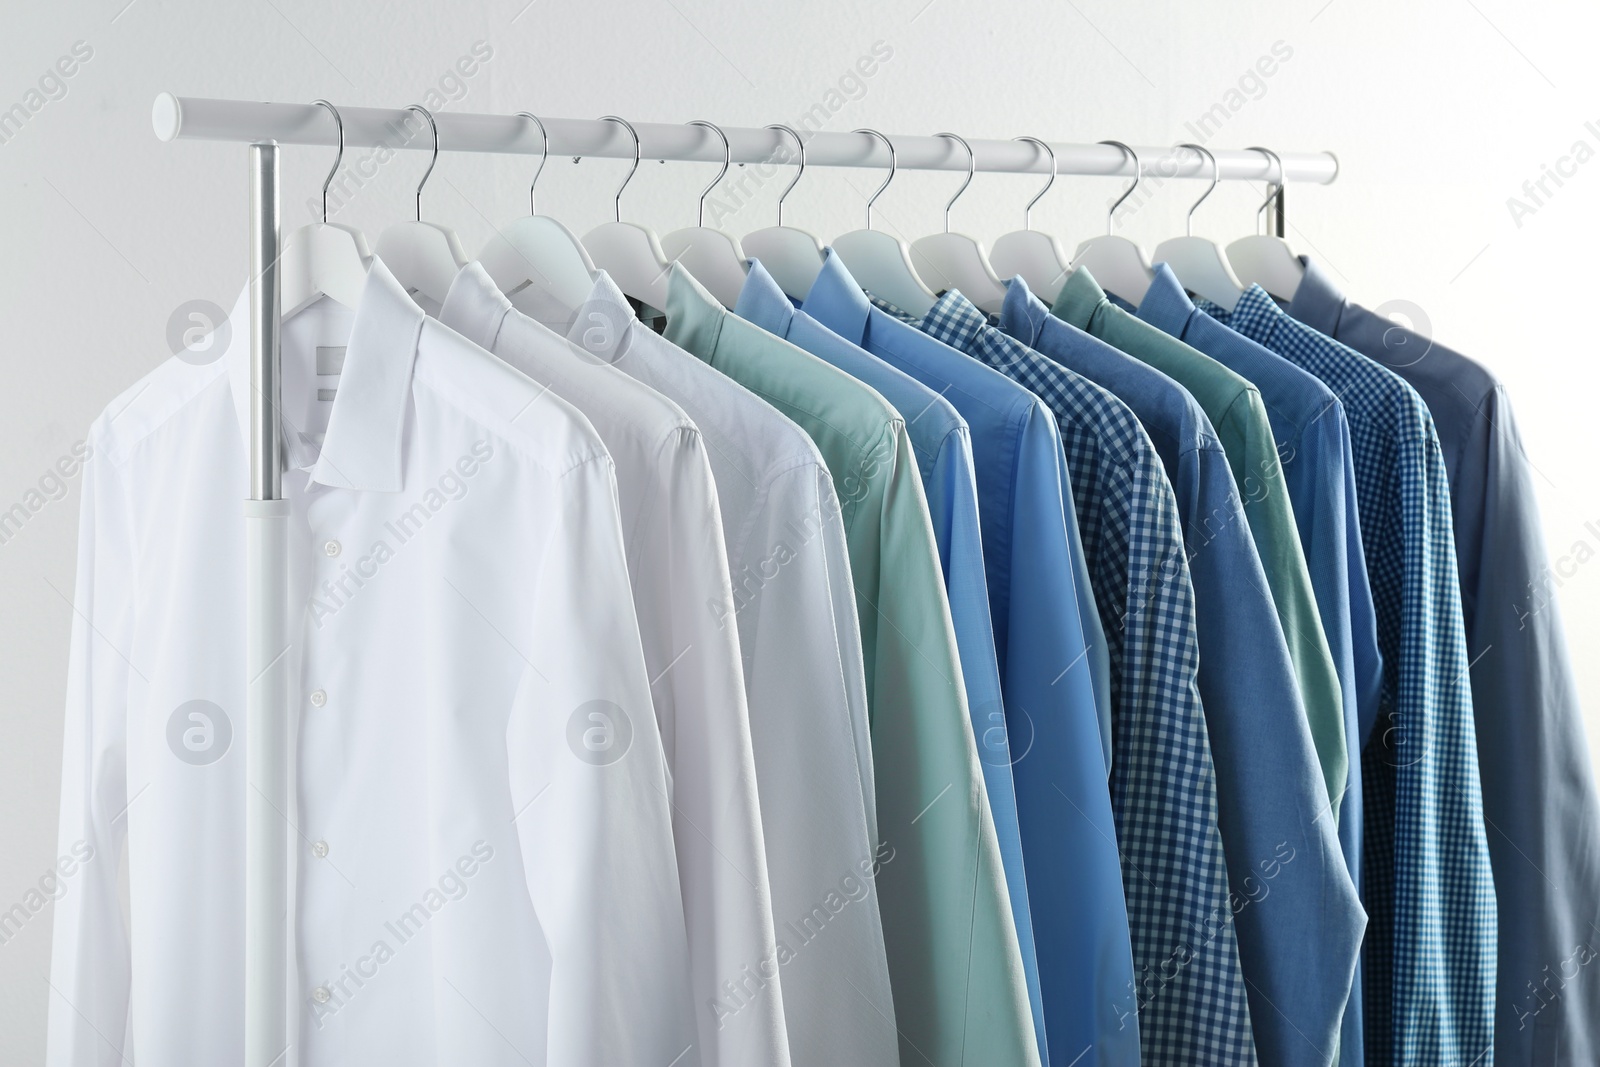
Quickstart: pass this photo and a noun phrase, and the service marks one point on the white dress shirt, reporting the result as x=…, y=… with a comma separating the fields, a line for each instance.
x=795, y=606
x=672, y=526
x=482, y=861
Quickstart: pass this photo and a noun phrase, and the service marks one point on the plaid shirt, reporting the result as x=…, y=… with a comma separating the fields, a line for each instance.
x=1190, y=992
x=1426, y=882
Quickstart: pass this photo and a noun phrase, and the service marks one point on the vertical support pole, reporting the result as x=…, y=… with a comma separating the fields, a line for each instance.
x=266, y=634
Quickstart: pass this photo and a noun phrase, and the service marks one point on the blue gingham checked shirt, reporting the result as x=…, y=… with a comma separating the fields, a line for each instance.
x=1426, y=883
x=1190, y=993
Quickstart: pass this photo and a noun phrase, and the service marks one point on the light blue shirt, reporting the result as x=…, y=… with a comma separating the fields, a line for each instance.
x=942, y=443
x=1045, y=652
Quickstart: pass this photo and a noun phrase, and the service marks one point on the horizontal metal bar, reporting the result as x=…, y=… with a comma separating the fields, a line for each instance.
x=198, y=118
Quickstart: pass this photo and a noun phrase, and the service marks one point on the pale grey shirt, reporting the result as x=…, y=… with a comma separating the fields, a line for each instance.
x=795, y=612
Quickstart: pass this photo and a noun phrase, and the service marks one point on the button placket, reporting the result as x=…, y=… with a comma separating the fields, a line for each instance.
x=321, y=885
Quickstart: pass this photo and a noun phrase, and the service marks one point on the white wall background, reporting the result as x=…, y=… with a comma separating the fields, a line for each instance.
x=1439, y=111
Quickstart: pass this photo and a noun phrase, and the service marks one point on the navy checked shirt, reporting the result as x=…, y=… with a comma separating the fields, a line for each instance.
x=1429, y=960
x=1189, y=989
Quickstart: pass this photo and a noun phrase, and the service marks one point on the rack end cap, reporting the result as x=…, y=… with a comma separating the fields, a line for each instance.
x=166, y=115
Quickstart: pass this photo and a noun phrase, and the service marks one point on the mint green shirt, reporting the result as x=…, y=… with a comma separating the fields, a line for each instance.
x=1235, y=409
x=960, y=993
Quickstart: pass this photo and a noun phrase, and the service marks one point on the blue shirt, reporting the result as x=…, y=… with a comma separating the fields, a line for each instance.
x=1313, y=439
x=942, y=444
x=1538, y=787
x=1163, y=782
x=1426, y=882
x=1299, y=921
x=1064, y=805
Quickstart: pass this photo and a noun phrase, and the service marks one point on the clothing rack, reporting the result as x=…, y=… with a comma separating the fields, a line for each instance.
x=264, y=126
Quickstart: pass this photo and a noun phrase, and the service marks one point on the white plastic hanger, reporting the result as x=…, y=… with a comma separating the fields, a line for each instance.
x=956, y=261
x=1197, y=262
x=537, y=262
x=1265, y=260
x=881, y=262
x=631, y=254
x=714, y=258
x=1040, y=258
x=423, y=257
x=793, y=257
x=324, y=258
x=1119, y=265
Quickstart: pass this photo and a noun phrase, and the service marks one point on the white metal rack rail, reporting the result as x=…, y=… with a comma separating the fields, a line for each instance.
x=265, y=126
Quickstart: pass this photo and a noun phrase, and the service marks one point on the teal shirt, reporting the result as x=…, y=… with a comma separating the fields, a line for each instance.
x=960, y=992
x=1235, y=409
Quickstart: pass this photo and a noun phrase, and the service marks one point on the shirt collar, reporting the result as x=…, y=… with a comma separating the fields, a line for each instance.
x=955, y=320
x=836, y=301
x=1317, y=301
x=1165, y=305
x=694, y=318
x=475, y=307
x=1080, y=299
x=603, y=326
x=362, y=447
x=763, y=302
x=1022, y=315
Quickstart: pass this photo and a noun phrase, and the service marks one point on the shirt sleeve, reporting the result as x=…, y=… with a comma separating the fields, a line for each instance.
x=90, y=965
x=806, y=707
x=952, y=943
x=589, y=789
x=847, y=624
x=697, y=685
x=1258, y=473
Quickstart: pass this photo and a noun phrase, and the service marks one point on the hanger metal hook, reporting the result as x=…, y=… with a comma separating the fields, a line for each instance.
x=338, y=125
x=1138, y=176
x=894, y=165
x=1216, y=178
x=1027, y=212
x=617, y=200
x=435, y=128
x=1273, y=160
x=972, y=168
x=790, y=187
x=543, y=158
x=727, y=161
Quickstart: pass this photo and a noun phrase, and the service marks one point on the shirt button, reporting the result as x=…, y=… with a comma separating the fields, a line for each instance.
x=331, y=548
x=320, y=849
x=321, y=994
x=319, y=697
